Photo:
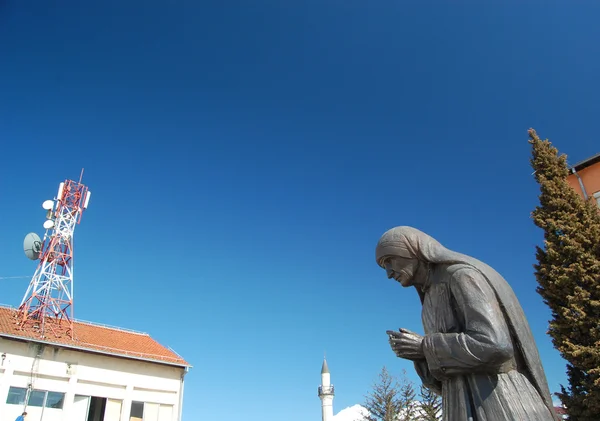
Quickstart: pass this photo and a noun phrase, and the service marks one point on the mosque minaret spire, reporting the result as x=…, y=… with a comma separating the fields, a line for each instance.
x=326, y=393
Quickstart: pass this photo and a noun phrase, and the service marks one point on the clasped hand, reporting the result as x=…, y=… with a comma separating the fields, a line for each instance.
x=406, y=344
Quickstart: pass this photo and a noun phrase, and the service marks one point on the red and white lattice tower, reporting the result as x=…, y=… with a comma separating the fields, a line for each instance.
x=47, y=307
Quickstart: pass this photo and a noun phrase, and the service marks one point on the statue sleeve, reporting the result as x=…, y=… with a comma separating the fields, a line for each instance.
x=482, y=344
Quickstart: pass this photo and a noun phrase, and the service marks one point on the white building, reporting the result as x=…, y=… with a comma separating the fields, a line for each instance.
x=103, y=374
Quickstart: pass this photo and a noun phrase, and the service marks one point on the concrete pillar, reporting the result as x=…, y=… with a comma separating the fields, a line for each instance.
x=126, y=408
x=6, y=373
x=70, y=395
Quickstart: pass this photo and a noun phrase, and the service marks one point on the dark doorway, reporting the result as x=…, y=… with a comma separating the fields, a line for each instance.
x=97, y=408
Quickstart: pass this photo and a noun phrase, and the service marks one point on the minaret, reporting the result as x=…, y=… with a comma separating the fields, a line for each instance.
x=326, y=393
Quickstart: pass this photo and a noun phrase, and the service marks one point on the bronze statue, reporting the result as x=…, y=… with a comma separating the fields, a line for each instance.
x=478, y=352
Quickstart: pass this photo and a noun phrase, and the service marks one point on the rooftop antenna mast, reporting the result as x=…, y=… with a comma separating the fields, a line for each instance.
x=47, y=306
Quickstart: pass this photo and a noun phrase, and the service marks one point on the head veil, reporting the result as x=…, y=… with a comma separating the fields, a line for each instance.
x=409, y=242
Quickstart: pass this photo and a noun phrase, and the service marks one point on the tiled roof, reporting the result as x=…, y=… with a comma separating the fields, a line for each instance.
x=95, y=338
x=560, y=411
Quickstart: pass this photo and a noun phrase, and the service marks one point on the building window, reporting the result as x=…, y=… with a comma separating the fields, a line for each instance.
x=55, y=400
x=36, y=398
x=16, y=395
x=137, y=411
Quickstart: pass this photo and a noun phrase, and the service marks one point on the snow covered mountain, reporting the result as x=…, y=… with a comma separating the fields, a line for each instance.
x=357, y=412
x=352, y=413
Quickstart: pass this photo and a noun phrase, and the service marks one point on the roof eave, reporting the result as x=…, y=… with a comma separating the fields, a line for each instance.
x=95, y=351
x=586, y=163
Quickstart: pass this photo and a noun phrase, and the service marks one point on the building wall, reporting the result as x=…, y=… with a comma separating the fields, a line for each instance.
x=79, y=375
x=590, y=177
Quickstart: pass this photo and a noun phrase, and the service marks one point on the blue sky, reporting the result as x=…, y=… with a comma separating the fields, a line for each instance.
x=245, y=157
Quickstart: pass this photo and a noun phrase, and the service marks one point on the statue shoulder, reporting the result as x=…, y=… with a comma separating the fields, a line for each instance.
x=457, y=270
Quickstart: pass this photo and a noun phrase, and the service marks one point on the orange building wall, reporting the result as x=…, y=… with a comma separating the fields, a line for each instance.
x=590, y=177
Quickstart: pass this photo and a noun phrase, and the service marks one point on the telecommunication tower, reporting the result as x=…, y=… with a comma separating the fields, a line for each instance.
x=47, y=306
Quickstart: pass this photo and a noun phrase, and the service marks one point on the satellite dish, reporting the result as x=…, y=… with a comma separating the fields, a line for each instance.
x=32, y=246
x=48, y=204
x=48, y=224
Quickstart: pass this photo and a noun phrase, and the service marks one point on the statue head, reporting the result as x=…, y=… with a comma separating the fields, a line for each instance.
x=405, y=253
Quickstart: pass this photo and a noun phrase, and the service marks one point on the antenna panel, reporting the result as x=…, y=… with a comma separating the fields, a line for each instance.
x=60, y=191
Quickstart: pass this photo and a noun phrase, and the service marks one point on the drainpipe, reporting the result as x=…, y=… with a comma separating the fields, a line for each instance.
x=181, y=393
x=585, y=195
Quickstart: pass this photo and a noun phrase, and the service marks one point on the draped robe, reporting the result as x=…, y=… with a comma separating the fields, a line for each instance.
x=471, y=359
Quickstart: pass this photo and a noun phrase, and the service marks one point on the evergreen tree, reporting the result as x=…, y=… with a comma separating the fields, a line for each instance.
x=388, y=399
x=568, y=274
x=431, y=405
x=408, y=400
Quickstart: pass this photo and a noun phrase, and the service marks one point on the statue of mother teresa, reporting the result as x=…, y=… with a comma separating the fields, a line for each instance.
x=478, y=352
